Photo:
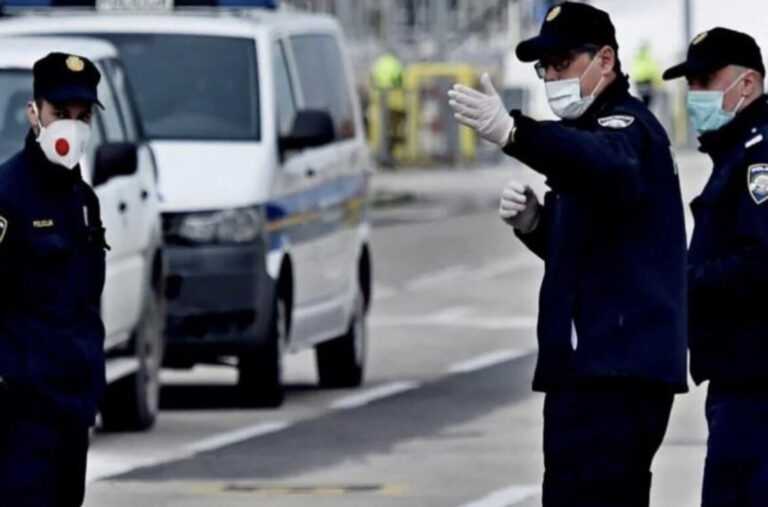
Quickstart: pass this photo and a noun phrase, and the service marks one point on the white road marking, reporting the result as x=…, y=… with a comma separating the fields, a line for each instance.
x=507, y=497
x=431, y=280
x=370, y=395
x=425, y=213
x=487, y=360
x=455, y=273
x=381, y=292
x=451, y=314
x=235, y=436
x=452, y=317
x=213, y=375
x=121, y=367
x=102, y=465
x=505, y=267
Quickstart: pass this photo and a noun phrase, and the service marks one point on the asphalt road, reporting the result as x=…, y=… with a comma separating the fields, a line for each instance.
x=447, y=417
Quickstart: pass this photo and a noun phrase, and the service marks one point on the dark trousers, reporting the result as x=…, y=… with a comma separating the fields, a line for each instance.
x=599, y=442
x=42, y=462
x=736, y=470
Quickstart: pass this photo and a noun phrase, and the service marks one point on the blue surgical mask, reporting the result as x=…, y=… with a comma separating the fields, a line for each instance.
x=705, y=108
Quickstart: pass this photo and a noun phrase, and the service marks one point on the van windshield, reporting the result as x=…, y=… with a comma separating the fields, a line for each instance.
x=192, y=86
x=15, y=92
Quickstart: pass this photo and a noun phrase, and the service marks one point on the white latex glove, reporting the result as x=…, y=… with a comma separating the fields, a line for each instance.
x=483, y=112
x=519, y=207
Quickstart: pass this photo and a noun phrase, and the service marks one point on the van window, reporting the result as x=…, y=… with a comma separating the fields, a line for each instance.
x=15, y=93
x=123, y=94
x=110, y=115
x=323, y=79
x=286, y=104
x=94, y=141
x=199, y=87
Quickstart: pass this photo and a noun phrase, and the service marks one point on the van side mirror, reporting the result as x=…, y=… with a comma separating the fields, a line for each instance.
x=113, y=160
x=311, y=128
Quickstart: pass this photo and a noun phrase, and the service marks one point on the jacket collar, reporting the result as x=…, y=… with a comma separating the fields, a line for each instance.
x=617, y=91
x=737, y=130
x=46, y=171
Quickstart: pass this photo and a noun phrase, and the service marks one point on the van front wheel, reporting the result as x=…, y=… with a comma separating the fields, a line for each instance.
x=132, y=403
x=341, y=361
x=260, y=368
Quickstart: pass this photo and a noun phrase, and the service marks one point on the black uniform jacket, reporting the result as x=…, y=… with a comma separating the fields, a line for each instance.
x=612, y=234
x=727, y=274
x=52, y=270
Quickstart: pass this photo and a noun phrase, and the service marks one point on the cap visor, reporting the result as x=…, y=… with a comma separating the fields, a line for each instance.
x=73, y=94
x=675, y=72
x=692, y=68
x=535, y=48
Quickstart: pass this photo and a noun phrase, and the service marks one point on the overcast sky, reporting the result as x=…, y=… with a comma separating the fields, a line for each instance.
x=661, y=23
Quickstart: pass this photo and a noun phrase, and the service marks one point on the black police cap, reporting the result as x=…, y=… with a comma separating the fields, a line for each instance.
x=712, y=50
x=569, y=26
x=62, y=77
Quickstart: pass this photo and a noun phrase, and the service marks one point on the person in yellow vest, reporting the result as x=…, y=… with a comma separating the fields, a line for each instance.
x=387, y=71
x=387, y=80
x=646, y=74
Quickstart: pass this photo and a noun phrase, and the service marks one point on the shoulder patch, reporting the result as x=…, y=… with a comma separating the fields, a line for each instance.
x=617, y=121
x=3, y=228
x=757, y=182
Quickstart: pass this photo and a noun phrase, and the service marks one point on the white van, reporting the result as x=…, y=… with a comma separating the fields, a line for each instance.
x=132, y=303
x=264, y=175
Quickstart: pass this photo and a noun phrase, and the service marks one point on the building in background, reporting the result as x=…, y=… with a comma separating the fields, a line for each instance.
x=424, y=30
x=484, y=33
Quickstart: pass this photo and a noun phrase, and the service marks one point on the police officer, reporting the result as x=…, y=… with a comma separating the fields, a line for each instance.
x=612, y=322
x=52, y=254
x=726, y=275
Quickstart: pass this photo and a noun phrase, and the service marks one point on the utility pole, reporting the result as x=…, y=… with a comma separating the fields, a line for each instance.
x=687, y=22
x=386, y=19
x=440, y=27
x=682, y=133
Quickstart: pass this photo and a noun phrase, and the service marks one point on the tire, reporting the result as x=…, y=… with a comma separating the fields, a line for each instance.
x=341, y=361
x=260, y=369
x=132, y=403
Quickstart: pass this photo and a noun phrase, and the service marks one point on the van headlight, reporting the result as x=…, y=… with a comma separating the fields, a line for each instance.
x=241, y=225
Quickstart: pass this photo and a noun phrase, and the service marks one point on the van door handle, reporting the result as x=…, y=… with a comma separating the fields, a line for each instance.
x=311, y=173
x=122, y=207
x=144, y=195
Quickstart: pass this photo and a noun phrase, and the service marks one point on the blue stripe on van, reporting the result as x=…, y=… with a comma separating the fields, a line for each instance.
x=320, y=211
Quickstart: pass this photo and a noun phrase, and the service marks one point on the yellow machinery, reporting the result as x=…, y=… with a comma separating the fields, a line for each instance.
x=414, y=124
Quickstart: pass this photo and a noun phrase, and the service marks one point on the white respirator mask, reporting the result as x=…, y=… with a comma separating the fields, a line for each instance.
x=63, y=141
x=565, y=98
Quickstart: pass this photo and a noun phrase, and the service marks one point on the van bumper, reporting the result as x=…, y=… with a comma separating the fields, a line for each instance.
x=221, y=302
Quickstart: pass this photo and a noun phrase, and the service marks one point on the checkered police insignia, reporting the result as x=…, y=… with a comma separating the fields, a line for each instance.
x=699, y=38
x=3, y=228
x=75, y=63
x=554, y=13
x=617, y=121
x=757, y=182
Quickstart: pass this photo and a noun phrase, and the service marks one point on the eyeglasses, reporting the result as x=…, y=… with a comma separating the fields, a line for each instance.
x=559, y=66
x=560, y=63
